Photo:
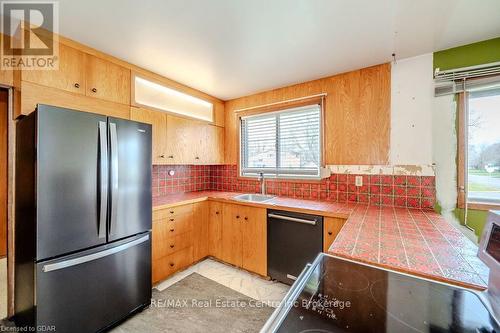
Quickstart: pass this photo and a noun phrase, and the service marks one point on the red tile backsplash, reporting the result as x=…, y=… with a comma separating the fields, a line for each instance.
x=379, y=190
x=186, y=178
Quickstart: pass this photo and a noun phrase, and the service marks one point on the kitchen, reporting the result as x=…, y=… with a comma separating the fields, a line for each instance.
x=174, y=175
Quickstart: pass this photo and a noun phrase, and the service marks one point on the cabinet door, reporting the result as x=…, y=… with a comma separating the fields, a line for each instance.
x=107, y=80
x=158, y=120
x=215, y=229
x=70, y=76
x=331, y=226
x=211, y=145
x=7, y=77
x=254, y=240
x=180, y=143
x=200, y=230
x=231, y=234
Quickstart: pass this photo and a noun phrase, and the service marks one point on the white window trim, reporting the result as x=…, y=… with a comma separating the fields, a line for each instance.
x=291, y=177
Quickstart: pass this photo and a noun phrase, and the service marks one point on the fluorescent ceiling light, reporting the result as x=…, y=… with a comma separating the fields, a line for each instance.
x=157, y=96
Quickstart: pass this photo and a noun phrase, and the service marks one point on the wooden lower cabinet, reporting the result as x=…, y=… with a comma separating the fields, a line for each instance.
x=215, y=229
x=170, y=264
x=331, y=228
x=172, y=240
x=201, y=212
x=254, y=240
x=244, y=237
x=233, y=233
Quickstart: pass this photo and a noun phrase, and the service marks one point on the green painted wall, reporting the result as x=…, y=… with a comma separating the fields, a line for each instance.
x=475, y=219
x=484, y=52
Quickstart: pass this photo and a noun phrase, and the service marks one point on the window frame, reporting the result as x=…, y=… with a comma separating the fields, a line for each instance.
x=283, y=107
x=462, y=146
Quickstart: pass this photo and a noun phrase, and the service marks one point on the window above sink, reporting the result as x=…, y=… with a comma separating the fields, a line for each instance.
x=282, y=144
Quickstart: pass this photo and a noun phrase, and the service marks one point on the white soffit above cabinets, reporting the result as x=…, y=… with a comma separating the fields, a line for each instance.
x=160, y=97
x=232, y=48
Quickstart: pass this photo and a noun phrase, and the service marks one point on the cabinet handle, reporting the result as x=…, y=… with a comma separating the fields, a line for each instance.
x=237, y=216
x=77, y=85
x=330, y=233
x=171, y=220
x=162, y=156
x=171, y=212
x=172, y=264
x=196, y=158
x=170, y=156
x=216, y=213
x=171, y=230
x=94, y=90
x=246, y=218
x=172, y=246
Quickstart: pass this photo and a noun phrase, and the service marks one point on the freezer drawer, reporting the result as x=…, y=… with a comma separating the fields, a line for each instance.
x=92, y=290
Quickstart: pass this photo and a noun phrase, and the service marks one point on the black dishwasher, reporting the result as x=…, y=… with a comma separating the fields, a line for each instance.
x=293, y=240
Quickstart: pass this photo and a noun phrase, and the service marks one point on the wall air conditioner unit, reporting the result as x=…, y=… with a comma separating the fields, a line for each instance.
x=471, y=78
x=157, y=96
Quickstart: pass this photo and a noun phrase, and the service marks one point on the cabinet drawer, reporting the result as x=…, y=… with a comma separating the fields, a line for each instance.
x=166, y=246
x=172, y=211
x=174, y=225
x=170, y=264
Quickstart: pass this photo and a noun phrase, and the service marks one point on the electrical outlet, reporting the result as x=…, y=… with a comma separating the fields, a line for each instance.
x=359, y=181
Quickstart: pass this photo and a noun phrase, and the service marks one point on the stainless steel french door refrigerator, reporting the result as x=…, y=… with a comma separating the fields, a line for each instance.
x=83, y=220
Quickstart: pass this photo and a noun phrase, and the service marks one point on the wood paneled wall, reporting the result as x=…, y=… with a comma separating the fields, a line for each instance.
x=357, y=115
x=4, y=117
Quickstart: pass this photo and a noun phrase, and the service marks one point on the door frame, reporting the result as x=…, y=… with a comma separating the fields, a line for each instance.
x=11, y=142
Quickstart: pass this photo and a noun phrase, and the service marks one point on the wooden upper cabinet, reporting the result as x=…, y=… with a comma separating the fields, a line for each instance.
x=180, y=143
x=69, y=77
x=107, y=80
x=211, y=148
x=158, y=121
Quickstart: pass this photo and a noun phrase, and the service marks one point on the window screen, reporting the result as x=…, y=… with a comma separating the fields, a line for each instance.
x=282, y=144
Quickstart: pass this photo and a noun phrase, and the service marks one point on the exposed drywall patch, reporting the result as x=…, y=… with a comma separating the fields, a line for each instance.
x=407, y=170
x=412, y=98
x=444, y=151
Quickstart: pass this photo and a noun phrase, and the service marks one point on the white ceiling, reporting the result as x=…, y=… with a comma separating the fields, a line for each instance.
x=232, y=48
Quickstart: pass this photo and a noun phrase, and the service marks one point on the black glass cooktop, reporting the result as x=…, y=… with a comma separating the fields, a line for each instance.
x=341, y=296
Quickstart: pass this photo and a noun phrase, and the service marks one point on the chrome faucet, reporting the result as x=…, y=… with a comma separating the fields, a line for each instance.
x=262, y=183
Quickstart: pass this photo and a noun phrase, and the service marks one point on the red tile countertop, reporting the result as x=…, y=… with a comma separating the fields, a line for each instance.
x=414, y=241
x=326, y=208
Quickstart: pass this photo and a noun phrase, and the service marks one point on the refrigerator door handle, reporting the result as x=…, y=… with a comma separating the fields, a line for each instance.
x=94, y=256
x=114, y=176
x=103, y=174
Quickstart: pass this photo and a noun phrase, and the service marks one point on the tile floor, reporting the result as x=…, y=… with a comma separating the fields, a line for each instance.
x=246, y=283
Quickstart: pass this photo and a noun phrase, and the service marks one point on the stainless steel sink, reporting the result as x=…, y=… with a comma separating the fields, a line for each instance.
x=254, y=197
